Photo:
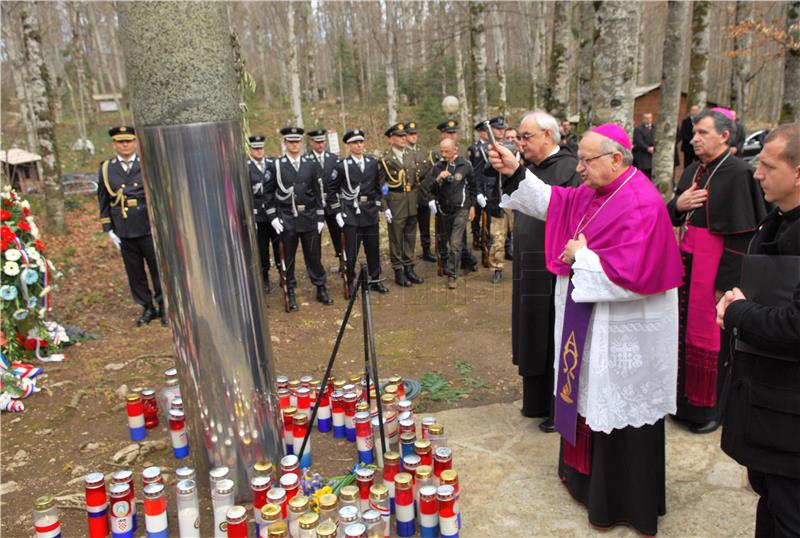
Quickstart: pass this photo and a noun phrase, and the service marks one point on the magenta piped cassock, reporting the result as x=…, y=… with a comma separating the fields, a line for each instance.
x=632, y=234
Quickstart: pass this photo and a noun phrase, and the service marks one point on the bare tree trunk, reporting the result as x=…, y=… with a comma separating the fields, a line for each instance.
x=560, y=60
x=477, y=27
x=614, y=64
x=742, y=61
x=390, y=62
x=539, y=69
x=262, y=63
x=671, y=67
x=18, y=75
x=78, y=60
x=499, y=38
x=698, y=62
x=311, y=58
x=585, y=58
x=42, y=107
x=463, y=105
x=113, y=39
x=528, y=40
x=790, y=104
x=294, y=68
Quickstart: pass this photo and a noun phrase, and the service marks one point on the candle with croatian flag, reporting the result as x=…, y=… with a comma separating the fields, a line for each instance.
x=450, y=478
x=284, y=398
x=428, y=512
x=96, y=505
x=391, y=466
x=364, y=439
x=135, y=411
x=288, y=428
x=125, y=476
x=448, y=512
x=324, y=410
x=337, y=414
x=121, y=511
x=442, y=461
x=300, y=425
x=293, y=385
x=46, y=522
x=260, y=485
x=365, y=478
x=177, y=432
x=155, y=511
x=304, y=399
x=349, y=401
x=404, y=504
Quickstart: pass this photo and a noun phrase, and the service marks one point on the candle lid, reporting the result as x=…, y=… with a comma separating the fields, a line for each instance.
x=355, y=530
x=236, y=514
x=379, y=492
x=94, y=480
x=186, y=487
x=371, y=516
x=224, y=486
x=328, y=501
x=152, y=491
x=279, y=529
x=218, y=473
x=327, y=529
x=391, y=458
x=424, y=472
x=309, y=520
x=348, y=493
x=44, y=502
x=270, y=512
x=298, y=503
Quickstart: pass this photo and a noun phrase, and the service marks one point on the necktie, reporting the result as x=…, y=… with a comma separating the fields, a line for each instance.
x=126, y=166
x=296, y=165
x=361, y=165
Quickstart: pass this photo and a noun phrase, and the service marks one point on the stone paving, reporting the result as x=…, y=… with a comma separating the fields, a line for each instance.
x=510, y=487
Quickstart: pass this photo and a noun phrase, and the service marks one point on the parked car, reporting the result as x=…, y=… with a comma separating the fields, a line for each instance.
x=752, y=145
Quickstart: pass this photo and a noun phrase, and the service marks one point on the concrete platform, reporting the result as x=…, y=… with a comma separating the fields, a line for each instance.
x=510, y=486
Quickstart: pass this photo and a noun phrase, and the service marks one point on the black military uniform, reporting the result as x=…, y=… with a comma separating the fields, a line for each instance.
x=294, y=203
x=265, y=233
x=644, y=137
x=401, y=201
x=327, y=162
x=421, y=168
x=123, y=214
x=477, y=156
x=355, y=182
x=454, y=196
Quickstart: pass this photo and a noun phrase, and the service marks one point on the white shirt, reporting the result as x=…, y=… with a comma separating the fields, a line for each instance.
x=399, y=153
x=126, y=165
x=630, y=362
x=359, y=163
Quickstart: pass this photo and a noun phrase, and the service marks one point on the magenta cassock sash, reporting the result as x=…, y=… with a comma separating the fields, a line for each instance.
x=702, y=334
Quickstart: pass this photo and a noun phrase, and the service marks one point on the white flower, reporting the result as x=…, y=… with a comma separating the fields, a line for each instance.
x=13, y=254
x=44, y=292
x=34, y=228
x=25, y=204
x=33, y=254
x=11, y=268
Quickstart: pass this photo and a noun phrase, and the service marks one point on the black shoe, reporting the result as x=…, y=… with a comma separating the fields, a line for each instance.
x=451, y=283
x=400, y=278
x=162, y=313
x=705, y=427
x=322, y=295
x=379, y=287
x=427, y=255
x=149, y=313
x=496, y=277
x=412, y=276
x=292, y=300
x=547, y=425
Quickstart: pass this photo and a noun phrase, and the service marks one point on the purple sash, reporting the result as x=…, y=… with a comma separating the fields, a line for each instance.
x=573, y=339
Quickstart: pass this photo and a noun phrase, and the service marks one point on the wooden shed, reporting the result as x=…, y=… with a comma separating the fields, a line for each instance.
x=20, y=168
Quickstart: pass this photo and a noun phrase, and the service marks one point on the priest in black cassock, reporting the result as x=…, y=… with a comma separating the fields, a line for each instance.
x=717, y=206
x=532, y=307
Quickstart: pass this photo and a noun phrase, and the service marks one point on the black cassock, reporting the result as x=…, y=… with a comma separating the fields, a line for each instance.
x=532, y=309
x=735, y=207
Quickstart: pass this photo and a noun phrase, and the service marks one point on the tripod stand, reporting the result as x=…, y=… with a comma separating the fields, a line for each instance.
x=370, y=360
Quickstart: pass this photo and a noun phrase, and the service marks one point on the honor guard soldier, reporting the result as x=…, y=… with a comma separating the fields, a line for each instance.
x=318, y=140
x=489, y=185
x=354, y=181
x=295, y=209
x=401, y=201
x=265, y=234
x=453, y=187
x=123, y=214
x=477, y=158
x=422, y=166
x=448, y=130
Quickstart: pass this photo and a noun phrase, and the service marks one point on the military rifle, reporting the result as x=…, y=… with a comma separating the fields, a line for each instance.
x=485, y=238
x=282, y=272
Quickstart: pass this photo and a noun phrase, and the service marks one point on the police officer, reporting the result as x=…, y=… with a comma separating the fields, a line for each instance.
x=401, y=201
x=421, y=168
x=453, y=187
x=265, y=234
x=294, y=206
x=123, y=214
x=354, y=181
x=318, y=140
x=448, y=130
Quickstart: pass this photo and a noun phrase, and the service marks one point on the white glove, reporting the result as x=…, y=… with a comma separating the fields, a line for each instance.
x=115, y=239
x=432, y=205
x=388, y=215
x=481, y=200
x=276, y=224
x=340, y=220
x=320, y=226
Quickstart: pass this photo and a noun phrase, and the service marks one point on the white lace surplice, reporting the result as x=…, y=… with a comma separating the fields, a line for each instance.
x=630, y=363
